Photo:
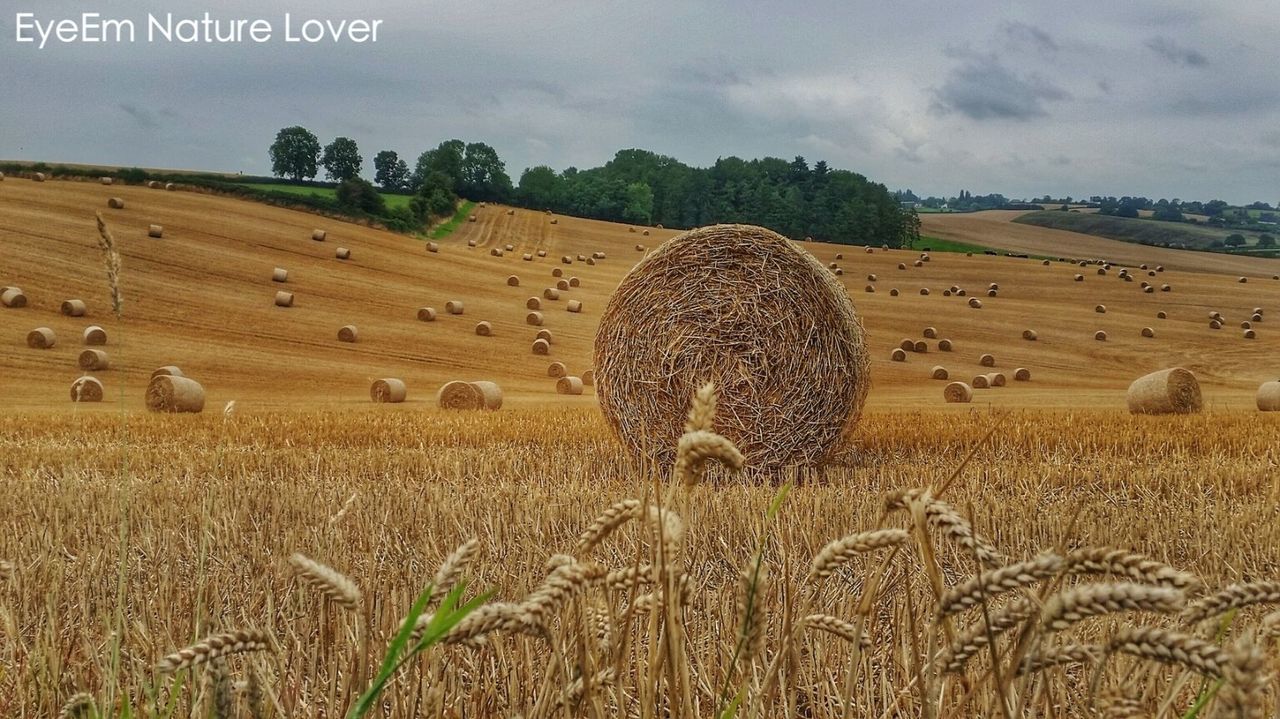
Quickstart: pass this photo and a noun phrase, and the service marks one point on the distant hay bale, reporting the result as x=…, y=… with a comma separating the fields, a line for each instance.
x=907, y=345
x=471, y=243
x=944, y=345
x=426, y=314
x=1045, y=263
x=1257, y=310
x=1148, y=332
x=1215, y=324
x=574, y=306
x=990, y=293
x=832, y=266
x=924, y=256
x=582, y=258
x=924, y=291
x=919, y=263
x=388, y=390
x=541, y=347
x=976, y=303
x=565, y=259
x=495, y=252
x=1162, y=315
x=555, y=221
x=957, y=393
x=284, y=299
x=484, y=329
x=597, y=255
x=453, y=307
x=920, y=346
x=562, y=285
x=639, y=248
x=73, y=308
x=115, y=203
x=1246, y=325
x=1269, y=397
x=556, y=369
x=589, y=377
x=154, y=184
x=557, y=272
x=471, y=218
x=348, y=333
x=996, y=379
x=279, y=274
x=38, y=177
x=1250, y=334
x=898, y=355
x=319, y=235
x=987, y=360
x=1215, y=316
x=1022, y=374
x=1029, y=335
x=509, y=248
x=533, y=318
x=981, y=382
x=545, y=334
x=533, y=303
x=960, y=293
x=93, y=361
x=1100, y=309
x=645, y=233
x=527, y=257
x=167, y=393
x=342, y=253
x=13, y=297
x=993, y=286
x=930, y=333
x=870, y=288
x=1102, y=270
x=1168, y=391
x=542, y=253
x=1257, y=317
x=490, y=394
x=1149, y=289
x=631, y=229
x=106, y=180
x=839, y=255
x=513, y=281
x=87, y=389
x=1242, y=280
x=569, y=385
x=1159, y=268
x=170, y=186
x=839, y=272
x=1142, y=267
x=167, y=371
x=575, y=282
x=460, y=395
x=893, y=292
x=510, y=212
x=1079, y=278
x=433, y=247
x=939, y=372
x=95, y=335
x=155, y=231
x=902, y=266
x=1100, y=336
x=1166, y=288
x=551, y=293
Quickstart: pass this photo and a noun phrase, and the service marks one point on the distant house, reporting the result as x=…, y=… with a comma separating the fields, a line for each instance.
x=908, y=205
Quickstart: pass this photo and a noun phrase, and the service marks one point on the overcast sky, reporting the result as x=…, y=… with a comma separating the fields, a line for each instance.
x=1161, y=98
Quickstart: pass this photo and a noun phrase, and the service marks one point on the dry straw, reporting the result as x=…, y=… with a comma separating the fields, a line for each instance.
x=41, y=338
x=569, y=385
x=930, y=333
x=426, y=314
x=1100, y=336
x=284, y=299
x=556, y=369
x=939, y=372
x=920, y=346
x=318, y=235
x=388, y=390
x=167, y=371
x=93, y=360
x=279, y=274
x=470, y=395
x=73, y=308
x=513, y=281
x=957, y=393
x=95, y=335
x=87, y=389
x=453, y=307
x=155, y=231
x=769, y=300
x=533, y=318
x=342, y=253
x=348, y=333
x=1168, y=391
x=562, y=285
x=13, y=297
x=1148, y=332
x=944, y=345
x=167, y=393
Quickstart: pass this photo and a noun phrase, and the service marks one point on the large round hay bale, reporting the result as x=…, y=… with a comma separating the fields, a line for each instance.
x=789, y=357
x=41, y=338
x=1166, y=288
x=1250, y=334
x=981, y=382
x=569, y=385
x=348, y=333
x=95, y=335
x=639, y=248
x=957, y=392
x=902, y=266
x=87, y=389
x=342, y=253
x=284, y=299
x=1079, y=278
x=987, y=360
x=575, y=282
x=919, y=263
x=920, y=347
x=106, y=180
x=545, y=334
x=562, y=285
x=1100, y=336
x=1256, y=317
x=1169, y=391
x=453, y=307
x=907, y=345
x=1100, y=309
x=470, y=395
x=13, y=297
x=541, y=347
x=319, y=235
x=388, y=390
x=533, y=303
x=1022, y=374
x=1029, y=335
x=1149, y=289
x=870, y=288
x=167, y=371
x=871, y=277
x=589, y=377
x=645, y=233
x=939, y=372
x=38, y=177
x=930, y=333
x=533, y=318
x=1161, y=315
x=93, y=361
x=996, y=379
x=279, y=274
x=574, y=306
x=1246, y=325
x=495, y=252
x=115, y=203
x=155, y=231
x=426, y=314
x=591, y=261
x=484, y=329
x=557, y=272
x=1215, y=324
x=555, y=221
x=73, y=308
x=513, y=281
x=167, y=393
x=1269, y=396
x=582, y=258
x=551, y=293
x=490, y=394
x=893, y=292
x=556, y=369
x=944, y=345
x=1148, y=332
x=433, y=247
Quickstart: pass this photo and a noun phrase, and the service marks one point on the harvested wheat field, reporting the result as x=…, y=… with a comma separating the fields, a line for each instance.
x=148, y=559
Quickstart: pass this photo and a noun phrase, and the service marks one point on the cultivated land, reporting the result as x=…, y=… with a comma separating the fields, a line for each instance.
x=132, y=534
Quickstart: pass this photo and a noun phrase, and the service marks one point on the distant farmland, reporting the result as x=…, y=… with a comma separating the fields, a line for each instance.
x=327, y=193
x=1126, y=229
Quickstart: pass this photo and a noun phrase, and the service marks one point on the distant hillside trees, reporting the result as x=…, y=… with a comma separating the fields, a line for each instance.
x=295, y=154
x=390, y=172
x=434, y=197
x=357, y=194
x=342, y=159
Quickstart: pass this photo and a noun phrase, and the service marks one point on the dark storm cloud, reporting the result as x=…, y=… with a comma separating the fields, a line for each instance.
x=983, y=88
x=1171, y=50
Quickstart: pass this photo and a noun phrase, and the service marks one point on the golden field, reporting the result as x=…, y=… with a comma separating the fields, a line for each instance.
x=131, y=535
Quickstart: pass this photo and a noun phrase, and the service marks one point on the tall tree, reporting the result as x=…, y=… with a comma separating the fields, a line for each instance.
x=483, y=174
x=295, y=153
x=390, y=172
x=342, y=159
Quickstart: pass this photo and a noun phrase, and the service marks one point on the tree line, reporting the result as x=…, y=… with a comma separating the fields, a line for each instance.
x=636, y=186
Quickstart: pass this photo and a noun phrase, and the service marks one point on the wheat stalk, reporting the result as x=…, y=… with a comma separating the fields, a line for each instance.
x=977, y=637
x=329, y=581
x=6, y=570
x=453, y=566
x=111, y=260
x=219, y=645
x=558, y=587
x=1079, y=603
x=696, y=448
x=977, y=589
x=847, y=631
x=702, y=410
x=667, y=527
x=346, y=507
x=945, y=518
x=1136, y=567
x=78, y=706
x=220, y=687
x=1245, y=686
x=841, y=551
x=753, y=586
x=615, y=516
x=1235, y=596
x=1170, y=647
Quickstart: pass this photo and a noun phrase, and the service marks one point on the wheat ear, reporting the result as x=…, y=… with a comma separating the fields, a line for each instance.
x=615, y=516
x=1233, y=597
x=950, y=522
x=695, y=448
x=847, y=631
x=111, y=260
x=841, y=551
x=977, y=637
x=977, y=589
x=1135, y=567
x=453, y=566
x=1170, y=647
x=78, y=706
x=219, y=645
x=1079, y=603
x=327, y=580
x=702, y=410
x=1066, y=654
x=1244, y=690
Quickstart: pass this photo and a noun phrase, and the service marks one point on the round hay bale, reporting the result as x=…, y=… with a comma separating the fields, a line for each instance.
x=95, y=335
x=533, y=303
x=556, y=369
x=279, y=274
x=471, y=218
x=944, y=345
x=839, y=255
x=170, y=186
x=639, y=248
x=471, y=243
x=957, y=393
x=574, y=306
x=459, y=395
x=541, y=347
x=839, y=272
x=1246, y=325
x=898, y=355
x=1215, y=325
x=997, y=379
x=920, y=347
x=981, y=382
x=155, y=231
x=902, y=266
x=631, y=229
x=1148, y=332
x=1256, y=318
x=551, y=293
x=990, y=293
x=13, y=297
x=597, y=255
x=1022, y=374
x=557, y=272
x=167, y=393
x=993, y=286
x=545, y=334
x=1168, y=391
x=115, y=203
x=348, y=333
x=555, y=221
x=41, y=338
x=645, y=233
x=1242, y=280
x=1269, y=397
x=575, y=282
x=976, y=303
x=1151, y=273
x=38, y=177
x=907, y=345
x=589, y=377
x=542, y=253
x=342, y=253
x=930, y=333
x=1029, y=335
x=509, y=248
x=73, y=308
x=1102, y=270
x=513, y=281
x=490, y=394
x=319, y=235
x=93, y=361
x=870, y=288
x=510, y=212
x=919, y=263
x=1166, y=288
x=533, y=318
x=284, y=299
x=1045, y=263
x=871, y=277
x=1148, y=289
x=987, y=360
x=939, y=372
x=569, y=385
x=893, y=292
x=1159, y=268
x=1250, y=334
x=1100, y=336
x=433, y=247
x=924, y=291
x=1257, y=310
x=426, y=314
x=1161, y=315
x=388, y=390
x=567, y=260
x=484, y=329
x=527, y=257
x=106, y=180
x=960, y=293
x=582, y=258
x=562, y=285
x=453, y=307
x=1142, y=267
x=924, y=256
x=495, y=252
x=783, y=401
x=946, y=293
x=87, y=389
x=1215, y=316
x=1079, y=278
x=1100, y=309
x=167, y=371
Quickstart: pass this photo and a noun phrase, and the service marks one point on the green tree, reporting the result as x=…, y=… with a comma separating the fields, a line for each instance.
x=295, y=153
x=1265, y=240
x=390, y=172
x=357, y=194
x=637, y=204
x=434, y=197
x=1235, y=240
x=540, y=188
x=342, y=159
x=446, y=158
x=484, y=176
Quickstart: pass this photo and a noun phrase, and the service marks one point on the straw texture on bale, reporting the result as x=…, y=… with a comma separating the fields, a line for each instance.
x=469, y=395
x=1168, y=391
x=944, y=345
x=115, y=203
x=1079, y=278
x=575, y=282
x=509, y=248
x=86, y=389
x=41, y=338
x=13, y=297
x=1250, y=334
x=920, y=346
x=73, y=308
x=569, y=385
x=545, y=334
x=93, y=361
x=589, y=377
x=541, y=347
x=930, y=333
x=907, y=345
x=155, y=231
x=484, y=329
x=1166, y=288
x=990, y=293
x=533, y=303
x=939, y=372
x=426, y=314
x=957, y=392
x=1029, y=335
x=95, y=335
x=284, y=299
x=348, y=333
x=1100, y=336
x=987, y=360
x=527, y=257
x=533, y=318
x=1269, y=396
x=319, y=235
x=976, y=303
x=542, y=253
x=279, y=274
x=981, y=382
x=996, y=379
x=893, y=292
x=490, y=394
x=167, y=393
x=166, y=371
x=574, y=306
x=556, y=369
x=495, y=252
x=562, y=285
x=869, y=288
x=566, y=259
x=551, y=293
x=1215, y=325
x=1162, y=315
x=513, y=281
x=1148, y=332
x=557, y=272
x=433, y=247
x=742, y=307
x=453, y=307
x=1022, y=374
x=342, y=253
x=1100, y=309
x=388, y=390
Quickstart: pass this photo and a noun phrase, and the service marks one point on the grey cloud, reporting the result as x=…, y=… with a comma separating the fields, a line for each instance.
x=1021, y=33
x=143, y=117
x=982, y=88
x=1178, y=54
